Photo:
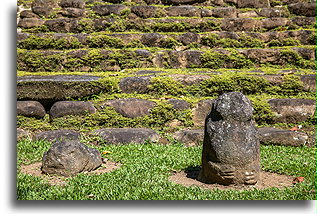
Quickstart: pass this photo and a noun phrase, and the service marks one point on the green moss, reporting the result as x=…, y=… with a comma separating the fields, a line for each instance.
x=290, y=57
x=219, y=84
x=33, y=124
x=262, y=113
x=38, y=29
x=86, y=25
x=135, y=44
x=105, y=117
x=206, y=26
x=214, y=59
x=104, y=41
x=36, y=61
x=244, y=41
x=169, y=42
x=283, y=42
x=164, y=85
x=171, y=27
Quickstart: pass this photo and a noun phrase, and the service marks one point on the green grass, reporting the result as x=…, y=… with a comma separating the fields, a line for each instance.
x=145, y=170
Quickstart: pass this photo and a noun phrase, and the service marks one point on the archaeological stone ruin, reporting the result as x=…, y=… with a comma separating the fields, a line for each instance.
x=231, y=148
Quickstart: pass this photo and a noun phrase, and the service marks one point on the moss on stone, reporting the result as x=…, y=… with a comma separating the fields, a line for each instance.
x=214, y=59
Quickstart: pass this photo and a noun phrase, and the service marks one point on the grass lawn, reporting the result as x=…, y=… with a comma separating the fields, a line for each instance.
x=145, y=169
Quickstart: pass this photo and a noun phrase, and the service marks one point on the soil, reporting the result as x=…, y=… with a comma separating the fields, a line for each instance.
x=35, y=170
x=267, y=180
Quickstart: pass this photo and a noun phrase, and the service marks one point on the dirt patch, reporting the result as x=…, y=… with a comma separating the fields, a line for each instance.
x=35, y=170
x=267, y=180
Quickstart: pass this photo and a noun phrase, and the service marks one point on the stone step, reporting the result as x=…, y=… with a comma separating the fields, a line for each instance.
x=169, y=41
x=182, y=24
x=280, y=110
x=50, y=89
x=90, y=10
x=188, y=137
x=115, y=60
x=267, y=136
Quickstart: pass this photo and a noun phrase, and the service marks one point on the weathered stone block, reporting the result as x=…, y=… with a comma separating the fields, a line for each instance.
x=63, y=108
x=67, y=158
x=57, y=135
x=292, y=110
x=127, y=135
x=201, y=111
x=282, y=137
x=131, y=107
x=179, y=104
x=135, y=84
x=30, y=109
x=144, y=11
x=190, y=137
x=224, y=12
x=183, y=11
x=303, y=9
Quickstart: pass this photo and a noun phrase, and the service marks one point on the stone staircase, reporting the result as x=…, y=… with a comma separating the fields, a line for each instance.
x=117, y=71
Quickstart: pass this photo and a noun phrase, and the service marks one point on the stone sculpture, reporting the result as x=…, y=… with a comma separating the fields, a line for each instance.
x=231, y=149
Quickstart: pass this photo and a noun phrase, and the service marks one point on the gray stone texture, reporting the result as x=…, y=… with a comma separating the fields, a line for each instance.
x=268, y=135
x=292, y=110
x=131, y=107
x=57, y=135
x=56, y=87
x=201, y=111
x=253, y=3
x=179, y=104
x=105, y=10
x=127, y=135
x=63, y=108
x=190, y=137
x=135, y=84
x=72, y=3
x=303, y=9
x=68, y=158
x=30, y=109
x=224, y=12
x=188, y=11
x=231, y=148
x=144, y=11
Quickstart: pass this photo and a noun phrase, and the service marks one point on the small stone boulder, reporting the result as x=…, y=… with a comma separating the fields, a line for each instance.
x=268, y=135
x=30, y=109
x=30, y=22
x=72, y=3
x=131, y=107
x=231, y=148
x=57, y=135
x=127, y=135
x=303, y=9
x=63, y=108
x=188, y=38
x=292, y=110
x=179, y=104
x=144, y=11
x=188, y=11
x=190, y=137
x=224, y=12
x=105, y=10
x=135, y=84
x=68, y=158
x=201, y=111
x=253, y=3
